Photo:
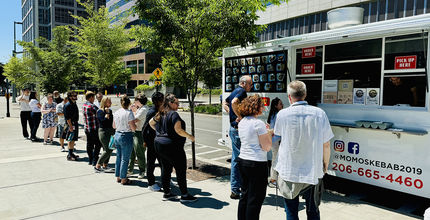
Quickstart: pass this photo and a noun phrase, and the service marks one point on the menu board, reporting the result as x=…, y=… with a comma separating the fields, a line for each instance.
x=267, y=71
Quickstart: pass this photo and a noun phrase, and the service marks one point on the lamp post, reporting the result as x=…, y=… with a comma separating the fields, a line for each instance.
x=14, y=52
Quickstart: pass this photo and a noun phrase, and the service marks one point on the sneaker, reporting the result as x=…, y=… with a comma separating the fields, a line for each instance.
x=234, y=196
x=45, y=143
x=188, y=198
x=98, y=170
x=72, y=157
x=108, y=170
x=154, y=187
x=141, y=175
x=170, y=197
x=63, y=149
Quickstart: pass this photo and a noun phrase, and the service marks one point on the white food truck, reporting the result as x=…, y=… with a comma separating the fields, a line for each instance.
x=372, y=82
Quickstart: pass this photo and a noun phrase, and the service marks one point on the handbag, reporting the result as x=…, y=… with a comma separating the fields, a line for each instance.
x=111, y=145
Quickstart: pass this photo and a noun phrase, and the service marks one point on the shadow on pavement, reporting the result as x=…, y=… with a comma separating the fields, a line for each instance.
x=207, y=202
x=279, y=202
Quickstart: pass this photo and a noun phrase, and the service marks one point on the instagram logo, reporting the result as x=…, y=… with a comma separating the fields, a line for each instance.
x=339, y=146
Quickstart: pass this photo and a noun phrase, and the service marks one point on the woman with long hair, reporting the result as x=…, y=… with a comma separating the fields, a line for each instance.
x=49, y=122
x=123, y=122
x=256, y=141
x=105, y=118
x=35, y=115
x=275, y=106
x=169, y=145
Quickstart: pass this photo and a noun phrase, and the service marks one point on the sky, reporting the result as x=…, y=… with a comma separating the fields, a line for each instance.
x=10, y=11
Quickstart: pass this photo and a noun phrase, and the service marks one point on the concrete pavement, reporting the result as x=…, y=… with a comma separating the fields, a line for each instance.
x=38, y=183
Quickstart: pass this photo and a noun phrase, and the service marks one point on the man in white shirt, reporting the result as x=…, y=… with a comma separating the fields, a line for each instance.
x=304, y=152
x=99, y=97
x=25, y=113
x=140, y=110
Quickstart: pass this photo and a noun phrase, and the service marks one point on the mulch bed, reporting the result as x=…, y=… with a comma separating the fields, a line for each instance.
x=205, y=171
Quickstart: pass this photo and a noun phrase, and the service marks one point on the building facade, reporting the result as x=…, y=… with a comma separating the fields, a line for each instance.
x=39, y=17
x=305, y=16
x=137, y=60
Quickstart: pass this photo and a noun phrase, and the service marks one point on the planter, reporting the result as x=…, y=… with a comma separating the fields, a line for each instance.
x=344, y=17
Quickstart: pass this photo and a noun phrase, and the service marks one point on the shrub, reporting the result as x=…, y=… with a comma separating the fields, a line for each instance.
x=202, y=91
x=144, y=87
x=209, y=109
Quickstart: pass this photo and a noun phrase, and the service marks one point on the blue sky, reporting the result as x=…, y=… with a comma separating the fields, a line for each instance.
x=10, y=11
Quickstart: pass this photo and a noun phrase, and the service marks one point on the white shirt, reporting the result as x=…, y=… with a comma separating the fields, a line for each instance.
x=303, y=130
x=249, y=130
x=97, y=103
x=25, y=107
x=141, y=115
x=33, y=105
x=59, y=109
x=121, y=118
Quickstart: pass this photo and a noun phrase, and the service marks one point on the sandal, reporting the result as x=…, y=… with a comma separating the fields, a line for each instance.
x=127, y=182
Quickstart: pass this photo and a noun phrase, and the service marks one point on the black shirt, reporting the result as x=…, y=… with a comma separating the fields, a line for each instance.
x=148, y=132
x=58, y=100
x=400, y=94
x=103, y=121
x=239, y=93
x=165, y=129
x=71, y=112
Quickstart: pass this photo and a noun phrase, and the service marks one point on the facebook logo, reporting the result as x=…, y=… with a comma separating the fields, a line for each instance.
x=353, y=148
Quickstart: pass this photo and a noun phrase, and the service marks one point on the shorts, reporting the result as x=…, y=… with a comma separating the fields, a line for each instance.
x=60, y=130
x=68, y=133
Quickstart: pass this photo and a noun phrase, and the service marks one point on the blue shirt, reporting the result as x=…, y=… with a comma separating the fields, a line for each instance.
x=239, y=93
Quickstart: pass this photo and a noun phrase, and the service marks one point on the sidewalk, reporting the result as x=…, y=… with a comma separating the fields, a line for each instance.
x=38, y=182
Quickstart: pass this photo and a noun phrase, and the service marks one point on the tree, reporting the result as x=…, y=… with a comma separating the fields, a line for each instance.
x=212, y=77
x=102, y=46
x=20, y=71
x=54, y=60
x=192, y=33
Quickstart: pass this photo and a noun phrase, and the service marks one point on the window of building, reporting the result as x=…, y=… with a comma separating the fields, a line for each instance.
x=63, y=15
x=132, y=65
x=70, y=3
x=44, y=16
x=153, y=62
x=44, y=3
x=45, y=31
x=141, y=66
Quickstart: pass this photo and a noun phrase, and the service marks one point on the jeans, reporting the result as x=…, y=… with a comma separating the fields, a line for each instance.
x=292, y=206
x=93, y=146
x=35, y=118
x=26, y=117
x=124, y=145
x=139, y=152
x=172, y=155
x=235, y=179
x=104, y=136
x=254, y=184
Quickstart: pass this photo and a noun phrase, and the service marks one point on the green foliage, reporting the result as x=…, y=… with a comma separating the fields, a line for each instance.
x=208, y=109
x=203, y=91
x=102, y=46
x=54, y=59
x=144, y=87
x=20, y=72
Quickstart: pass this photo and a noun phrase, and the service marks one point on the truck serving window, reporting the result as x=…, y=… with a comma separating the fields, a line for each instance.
x=354, y=50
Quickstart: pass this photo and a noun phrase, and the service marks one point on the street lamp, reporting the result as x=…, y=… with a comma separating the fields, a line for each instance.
x=14, y=52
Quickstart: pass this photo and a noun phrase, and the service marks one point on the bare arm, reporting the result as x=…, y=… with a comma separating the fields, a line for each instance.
x=235, y=105
x=113, y=125
x=45, y=111
x=69, y=122
x=132, y=125
x=326, y=155
x=266, y=140
x=225, y=106
x=152, y=123
x=21, y=99
x=181, y=131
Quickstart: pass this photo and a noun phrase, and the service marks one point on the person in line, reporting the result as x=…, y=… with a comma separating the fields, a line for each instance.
x=139, y=110
x=25, y=113
x=99, y=97
x=61, y=122
x=57, y=100
x=35, y=115
x=256, y=141
x=149, y=136
x=123, y=122
x=91, y=128
x=169, y=145
x=105, y=118
x=49, y=123
x=275, y=106
x=304, y=152
x=231, y=105
x=71, y=115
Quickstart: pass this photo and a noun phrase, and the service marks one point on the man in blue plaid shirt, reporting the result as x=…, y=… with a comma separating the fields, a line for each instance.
x=91, y=128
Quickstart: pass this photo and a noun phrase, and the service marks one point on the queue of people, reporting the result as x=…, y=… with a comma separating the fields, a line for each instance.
x=130, y=130
x=295, y=139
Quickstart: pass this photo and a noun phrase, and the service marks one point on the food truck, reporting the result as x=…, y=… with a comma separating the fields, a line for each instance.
x=372, y=82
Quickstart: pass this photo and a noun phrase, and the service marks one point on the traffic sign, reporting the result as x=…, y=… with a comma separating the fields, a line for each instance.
x=158, y=73
x=157, y=82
